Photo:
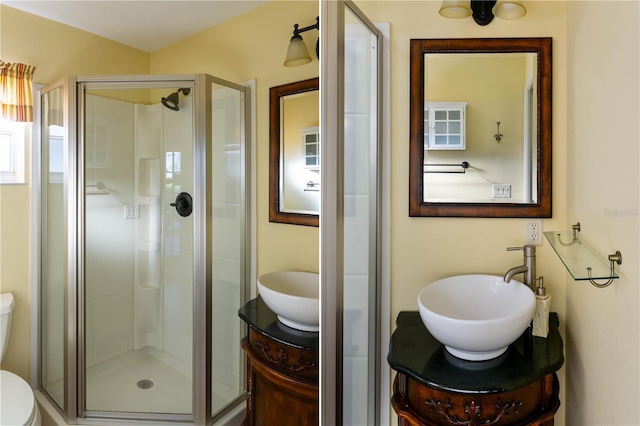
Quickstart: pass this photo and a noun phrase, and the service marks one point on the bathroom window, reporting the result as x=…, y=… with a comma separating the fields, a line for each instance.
x=311, y=147
x=13, y=136
x=444, y=125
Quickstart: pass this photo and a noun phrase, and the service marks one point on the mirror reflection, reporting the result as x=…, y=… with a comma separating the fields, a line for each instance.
x=480, y=127
x=294, y=145
x=480, y=109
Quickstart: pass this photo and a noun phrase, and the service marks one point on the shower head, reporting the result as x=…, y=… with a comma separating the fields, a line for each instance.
x=171, y=101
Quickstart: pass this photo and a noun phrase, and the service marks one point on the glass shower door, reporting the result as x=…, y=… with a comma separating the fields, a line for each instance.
x=53, y=256
x=361, y=259
x=138, y=238
x=145, y=253
x=350, y=217
x=229, y=247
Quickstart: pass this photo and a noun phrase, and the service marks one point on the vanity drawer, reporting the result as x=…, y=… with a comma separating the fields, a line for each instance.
x=534, y=404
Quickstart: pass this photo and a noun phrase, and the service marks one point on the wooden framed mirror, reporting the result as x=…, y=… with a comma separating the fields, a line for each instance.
x=480, y=127
x=294, y=153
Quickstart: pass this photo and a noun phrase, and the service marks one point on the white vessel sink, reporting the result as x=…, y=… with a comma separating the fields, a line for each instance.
x=294, y=296
x=476, y=317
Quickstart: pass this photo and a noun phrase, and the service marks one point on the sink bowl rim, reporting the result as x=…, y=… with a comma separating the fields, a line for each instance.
x=301, y=274
x=475, y=339
x=299, y=311
x=499, y=282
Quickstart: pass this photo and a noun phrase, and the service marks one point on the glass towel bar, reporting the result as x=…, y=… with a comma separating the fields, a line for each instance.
x=582, y=262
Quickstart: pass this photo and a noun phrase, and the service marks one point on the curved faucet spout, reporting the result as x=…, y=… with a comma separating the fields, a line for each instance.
x=529, y=267
x=514, y=271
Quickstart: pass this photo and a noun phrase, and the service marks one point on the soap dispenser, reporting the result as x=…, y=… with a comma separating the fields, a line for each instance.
x=541, y=315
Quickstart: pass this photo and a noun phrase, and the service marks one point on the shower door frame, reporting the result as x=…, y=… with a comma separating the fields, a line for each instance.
x=74, y=185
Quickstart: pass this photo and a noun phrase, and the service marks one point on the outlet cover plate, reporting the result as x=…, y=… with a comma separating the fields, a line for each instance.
x=502, y=190
x=533, y=232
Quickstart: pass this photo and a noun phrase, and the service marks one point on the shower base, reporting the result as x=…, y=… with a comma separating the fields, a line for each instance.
x=114, y=385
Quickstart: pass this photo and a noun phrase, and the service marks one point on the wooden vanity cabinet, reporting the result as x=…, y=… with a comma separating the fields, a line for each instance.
x=434, y=388
x=282, y=370
x=417, y=405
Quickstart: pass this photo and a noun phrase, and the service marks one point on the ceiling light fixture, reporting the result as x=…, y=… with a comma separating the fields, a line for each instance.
x=483, y=11
x=297, y=53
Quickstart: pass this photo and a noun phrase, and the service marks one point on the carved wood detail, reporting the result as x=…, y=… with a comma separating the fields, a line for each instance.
x=296, y=362
x=534, y=404
x=281, y=358
x=280, y=392
x=473, y=410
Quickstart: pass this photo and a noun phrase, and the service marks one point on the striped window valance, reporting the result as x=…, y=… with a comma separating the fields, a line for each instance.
x=16, y=94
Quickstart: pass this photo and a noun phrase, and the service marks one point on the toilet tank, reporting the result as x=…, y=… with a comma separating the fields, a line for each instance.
x=6, y=306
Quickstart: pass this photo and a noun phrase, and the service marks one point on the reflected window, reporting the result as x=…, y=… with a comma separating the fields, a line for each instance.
x=172, y=163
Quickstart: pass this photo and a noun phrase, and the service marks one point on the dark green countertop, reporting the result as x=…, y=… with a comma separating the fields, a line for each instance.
x=416, y=353
x=259, y=317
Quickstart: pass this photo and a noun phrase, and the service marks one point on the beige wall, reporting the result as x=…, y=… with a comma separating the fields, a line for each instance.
x=426, y=249
x=55, y=50
x=602, y=333
x=253, y=46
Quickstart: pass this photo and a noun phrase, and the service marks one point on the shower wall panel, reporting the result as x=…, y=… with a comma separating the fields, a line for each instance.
x=177, y=150
x=148, y=311
x=109, y=266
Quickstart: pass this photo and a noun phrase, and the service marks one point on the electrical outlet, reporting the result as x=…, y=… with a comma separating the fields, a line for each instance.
x=533, y=232
x=501, y=191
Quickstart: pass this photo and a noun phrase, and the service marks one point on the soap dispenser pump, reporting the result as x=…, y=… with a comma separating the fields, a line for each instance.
x=541, y=315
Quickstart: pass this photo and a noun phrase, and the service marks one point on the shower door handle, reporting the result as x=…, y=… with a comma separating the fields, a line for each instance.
x=183, y=204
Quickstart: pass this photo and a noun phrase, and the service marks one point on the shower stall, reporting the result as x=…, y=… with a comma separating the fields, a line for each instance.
x=144, y=247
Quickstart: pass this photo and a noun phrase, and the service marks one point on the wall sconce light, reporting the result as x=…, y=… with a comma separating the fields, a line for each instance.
x=498, y=135
x=483, y=11
x=297, y=53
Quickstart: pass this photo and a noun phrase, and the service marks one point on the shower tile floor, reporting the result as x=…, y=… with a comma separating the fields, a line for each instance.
x=113, y=385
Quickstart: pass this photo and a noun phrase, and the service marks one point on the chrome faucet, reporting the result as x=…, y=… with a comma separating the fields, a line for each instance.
x=528, y=269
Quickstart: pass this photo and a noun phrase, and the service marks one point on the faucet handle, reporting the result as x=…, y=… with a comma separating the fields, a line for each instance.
x=529, y=250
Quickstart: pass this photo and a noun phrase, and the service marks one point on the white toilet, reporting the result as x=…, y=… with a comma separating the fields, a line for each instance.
x=17, y=404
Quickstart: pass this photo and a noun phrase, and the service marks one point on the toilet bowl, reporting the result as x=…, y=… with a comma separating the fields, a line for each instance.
x=18, y=405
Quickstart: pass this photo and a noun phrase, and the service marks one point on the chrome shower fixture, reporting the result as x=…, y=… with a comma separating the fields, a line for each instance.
x=171, y=101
